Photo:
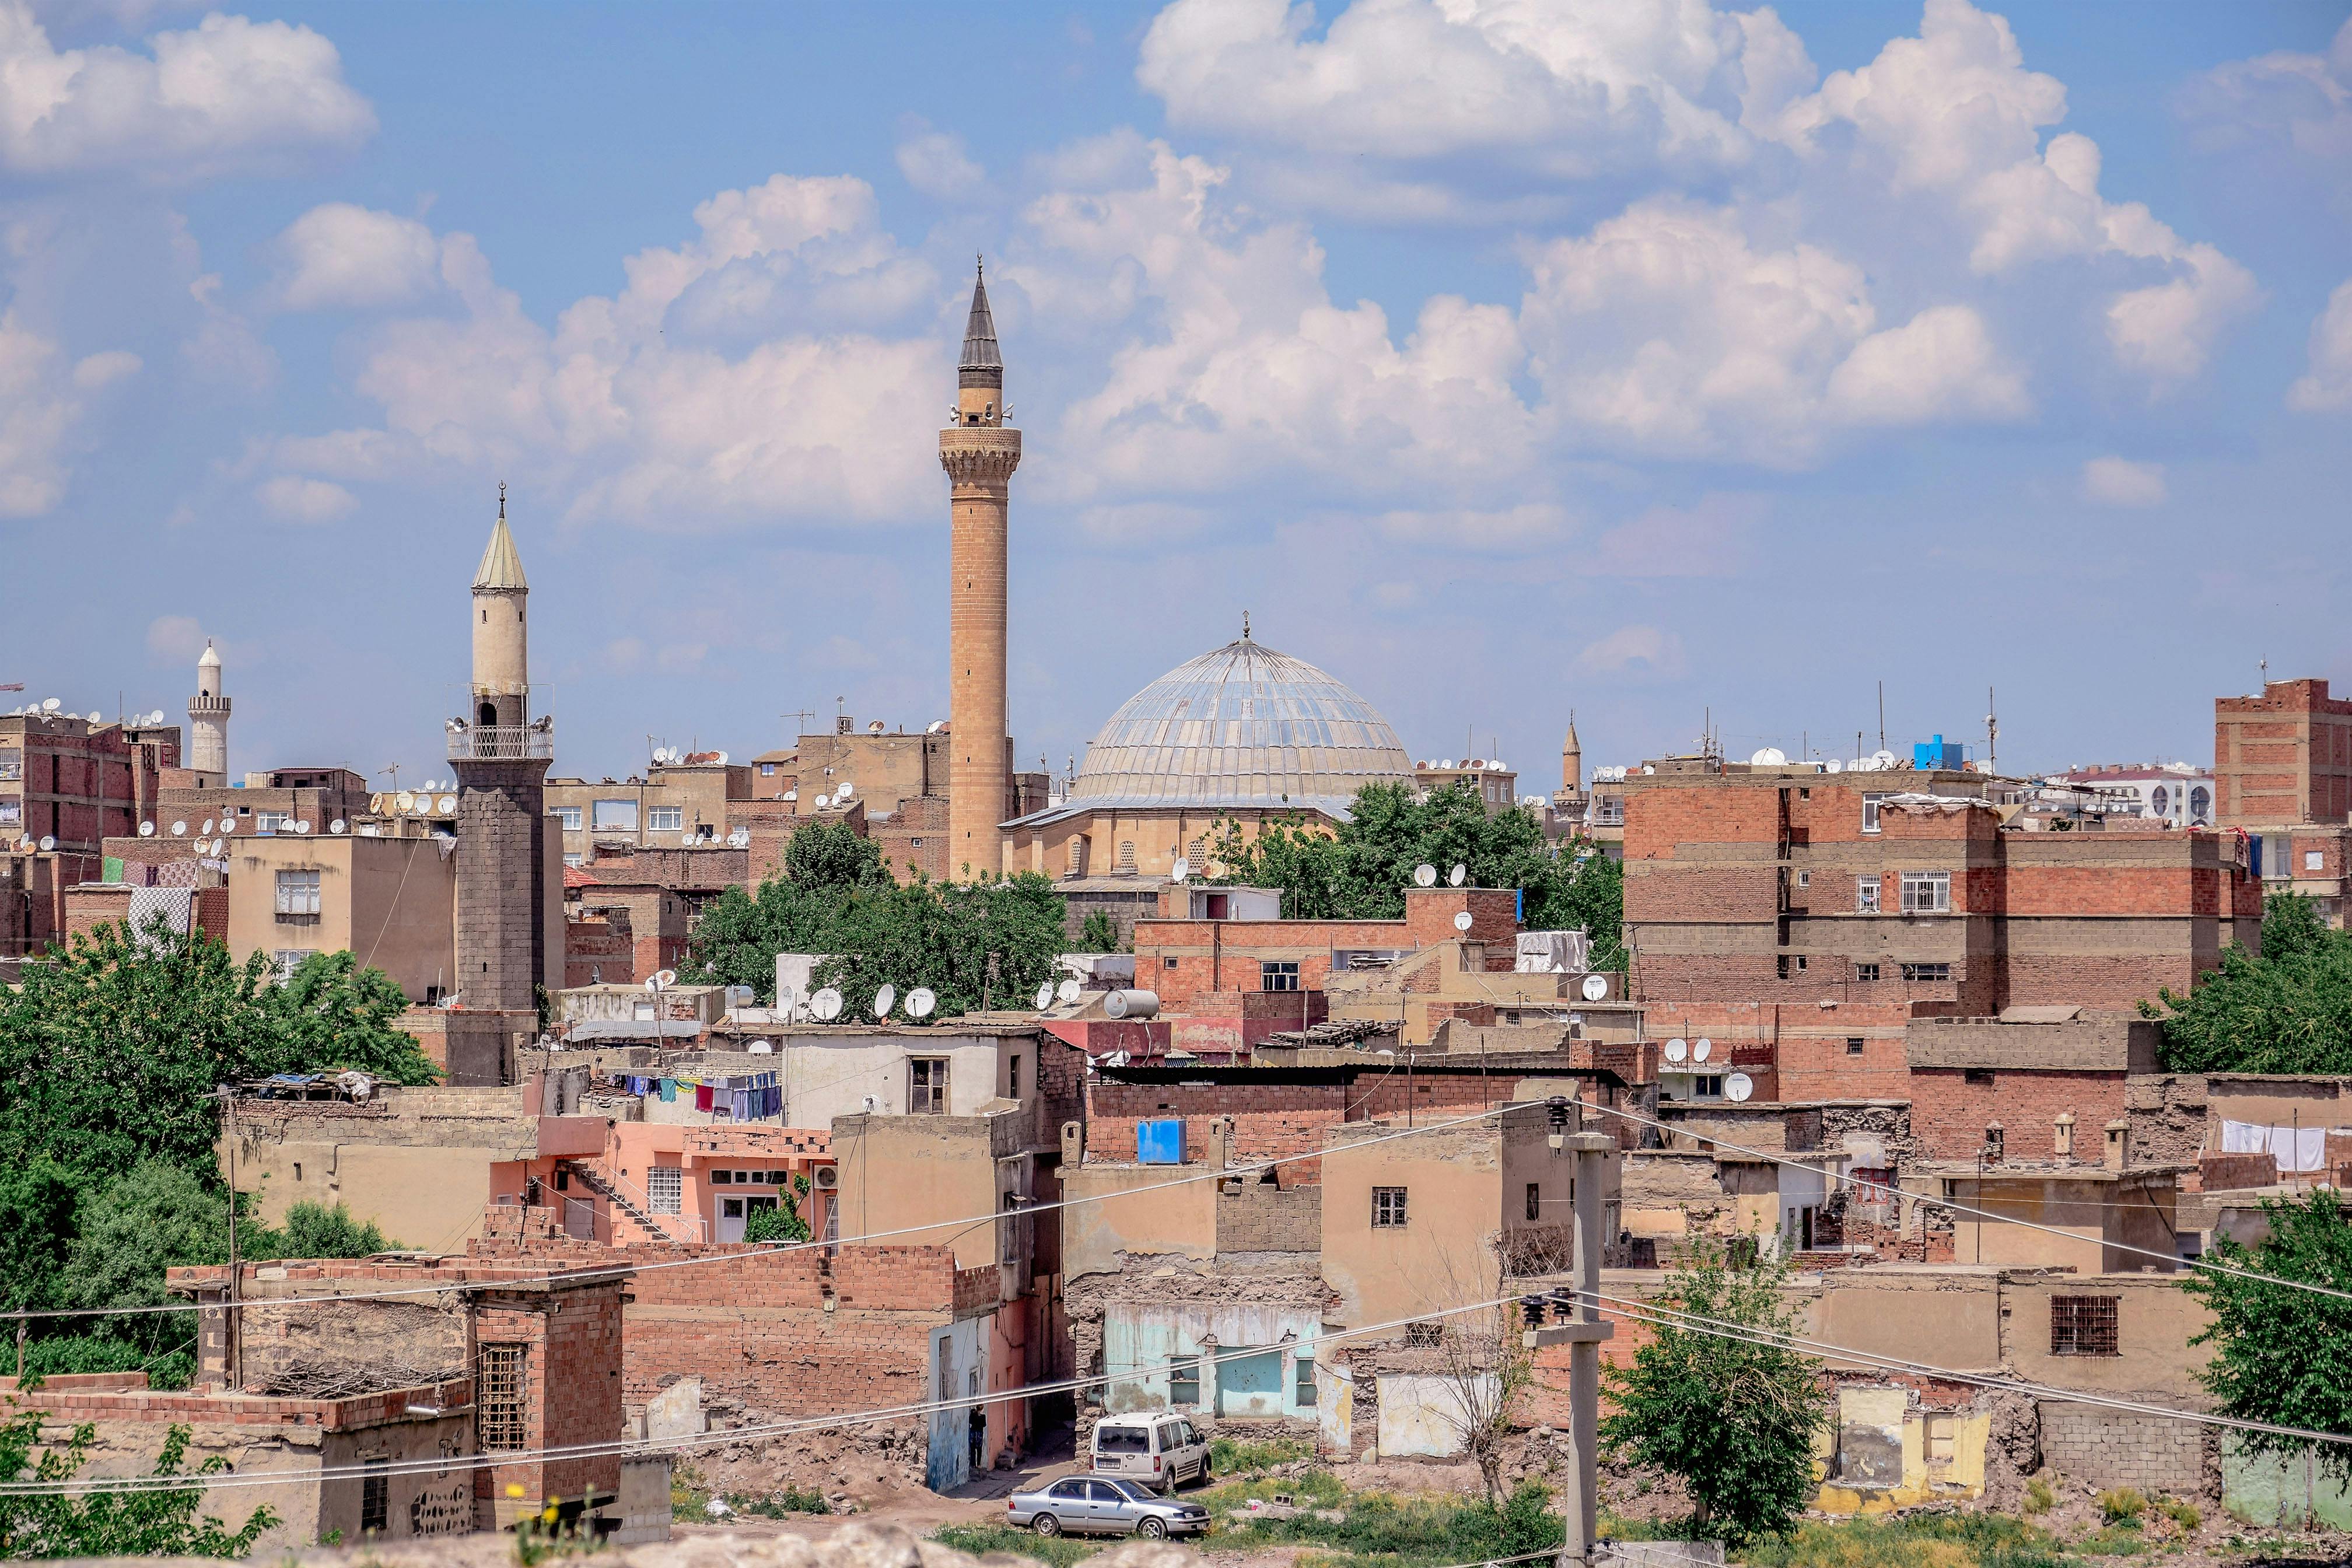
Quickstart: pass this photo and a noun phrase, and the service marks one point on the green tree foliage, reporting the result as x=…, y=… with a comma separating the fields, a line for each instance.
x=2283, y=1355
x=159, y=1523
x=1360, y=872
x=1734, y=1419
x=1099, y=934
x=782, y=1223
x=837, y=899
x=2287, y=1011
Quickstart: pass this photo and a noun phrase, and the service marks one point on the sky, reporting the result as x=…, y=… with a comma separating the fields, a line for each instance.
x=1665, y=365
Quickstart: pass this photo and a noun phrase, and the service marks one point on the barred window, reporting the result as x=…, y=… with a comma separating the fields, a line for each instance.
x=298, y=895
x=1866, y=895
x=1926, y=893
x=375, y=1497
x=1388, y=1208
x=2083, y=1325
x=1303, y=1375
x=666, y=1185
x=499, y=1399
x=1927, y=972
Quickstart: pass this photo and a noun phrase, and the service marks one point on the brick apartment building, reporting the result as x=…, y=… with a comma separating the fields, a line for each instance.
x=2282, y=776
x=71, y=782
x=1753, y=884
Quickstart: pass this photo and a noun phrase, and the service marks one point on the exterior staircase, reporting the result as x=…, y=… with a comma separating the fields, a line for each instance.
x=652, y=1227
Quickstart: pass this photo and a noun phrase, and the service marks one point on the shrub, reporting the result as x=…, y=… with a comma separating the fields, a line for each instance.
x=781, y=1505
x=1233, y=1456
x=2041, y=1497
x=981, y=1539
x=2182, y=1513
x=2124, y=1506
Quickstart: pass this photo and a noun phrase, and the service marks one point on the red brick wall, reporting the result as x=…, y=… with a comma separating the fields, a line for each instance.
x=1270, y=1121
x=1948, y=1114
x=599, y=949
x=2284, y=756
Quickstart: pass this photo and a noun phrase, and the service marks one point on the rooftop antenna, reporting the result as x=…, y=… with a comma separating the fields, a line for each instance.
x=2266, y=675
x=1882, y=715
x=801, y=715
x=1992, y=733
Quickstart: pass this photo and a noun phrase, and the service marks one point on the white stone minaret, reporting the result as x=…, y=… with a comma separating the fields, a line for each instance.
x=208, y=721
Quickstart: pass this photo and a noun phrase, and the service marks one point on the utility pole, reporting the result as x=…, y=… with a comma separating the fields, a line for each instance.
x=1582, y=1330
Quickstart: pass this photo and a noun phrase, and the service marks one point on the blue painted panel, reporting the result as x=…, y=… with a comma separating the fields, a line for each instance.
x=1161, y=1141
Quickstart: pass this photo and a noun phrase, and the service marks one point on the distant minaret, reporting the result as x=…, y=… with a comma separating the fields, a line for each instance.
x=1571, y=760
x=501, y=758
x=208, y=719
x=980, y=455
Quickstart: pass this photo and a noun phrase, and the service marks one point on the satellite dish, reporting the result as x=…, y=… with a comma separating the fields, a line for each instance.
x=1678, y=1048
x=1702, y=1048
x=760, y=1049
x=1424, y=875
x=302, y=826
x=785, y=998
x=826, y=1004
x=405, y=800
x=741, y=838
x=1769, y=757
x=884, y=1000
x=1069, y=991
x=1454, y=878
x=1881, y=761
x=179, y=830
x=1461, y=919
x=146, y=830
x=1739, y=1086
x=1446, y=763
x=1044, y=997
x=207, y=828
x=337, y=825
x=49, y=705
x=665, y=978
x=1595, y=988
x=920, y=1002
x=48, y=842
x=1182, y=868
x=229, y=825
x=448, y=805
x=1836, y=766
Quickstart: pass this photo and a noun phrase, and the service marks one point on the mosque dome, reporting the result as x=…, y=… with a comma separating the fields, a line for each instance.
x=1240, y=728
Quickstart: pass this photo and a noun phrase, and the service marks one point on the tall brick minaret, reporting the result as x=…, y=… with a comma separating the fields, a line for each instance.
x=980, y=455
x=501, y=758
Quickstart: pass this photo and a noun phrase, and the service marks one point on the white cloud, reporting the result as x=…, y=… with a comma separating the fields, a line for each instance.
x=2328, y=384
x=299, y=500
x=342, y=255
x=2119, y=481
x=225, y=94
x=43, y=404
x=1708, y=540
x=2281, y=107
x=1510, y=531
x=1941, y=365
x=935, y=163
x=1637, y=650
x=176, y=639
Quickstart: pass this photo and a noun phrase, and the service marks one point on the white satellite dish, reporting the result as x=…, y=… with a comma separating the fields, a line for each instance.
x=665, y=978
x=1069, y=991
x=1424, y=875
x=1454, y=878
x=405, y=800
x=303, y=825
x=760, y=1049
x=179, y=830
x=1739, y=1086
x=49, y=705
x=1702, y=1048
x=1595, y=988
x=741, y=838
x=229, y=825
x=884, y=1000
x=1769, y=757
x=785, y=998
x=337, y=826
x=48, y=842
x=1180, y=870
x=207, y=828
x=920, y=1002
x=448, y=805
x=1678, y=1048
x=1446, y=763
x=826, y=1005
x=1836, y=766
x=1881, y=761
x=1044, y=997
x=146, y=830
x=1461, y=919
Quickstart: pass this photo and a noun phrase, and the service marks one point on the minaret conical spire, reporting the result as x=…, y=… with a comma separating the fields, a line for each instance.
x=501, y=567
x=979, y=365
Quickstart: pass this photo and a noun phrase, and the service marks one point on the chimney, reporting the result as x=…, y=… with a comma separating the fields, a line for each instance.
x=2118, y=1145
x=1995, y=1143
x=2061, y=1136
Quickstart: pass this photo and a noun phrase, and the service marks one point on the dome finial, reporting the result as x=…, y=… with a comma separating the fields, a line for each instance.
x=1245, y=635
x=502, y=501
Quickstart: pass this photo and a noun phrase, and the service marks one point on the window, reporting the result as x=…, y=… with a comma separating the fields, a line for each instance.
x=285, y=961
x=1131, y=1439
x=1388, y=1208
x=1980, y=1078
x=1535, y=1201
x=1078, y=855
x=1168, y=964
x=1013, y=1076
x=1278, y=977
x=1870, y=812
x=1068, y=1492
x=298, y=898
x=1126, y=855
x=666, y=1185
x=2312, y=859
x=1198, y=853
x=1792, y=963
x=665, y=818
x=569, y=816
x=375, y=1496
x=12, y=811
x=499, y=1399
x=2200, y=803
x=1866, y=974
x=1927, y=972
x=2083, y=1325
x=575, y=859
x=2159, y=799
x=1804, y=878
x=767, y=770
x=1708, y=1086
x=1424, y=1336
x=722, y=1178
x=614, y=815
x=1866, y=895
x=1926, y=893
x=1853, y=1045
x=1185, y=1382
x=1303, y=1380
x=926, y=1086
x=273, y=822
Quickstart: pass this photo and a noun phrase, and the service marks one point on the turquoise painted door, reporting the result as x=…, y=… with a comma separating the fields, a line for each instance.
x=1250, y=1384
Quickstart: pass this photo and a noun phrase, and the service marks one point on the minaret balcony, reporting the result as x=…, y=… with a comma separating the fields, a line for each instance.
x=501, y=742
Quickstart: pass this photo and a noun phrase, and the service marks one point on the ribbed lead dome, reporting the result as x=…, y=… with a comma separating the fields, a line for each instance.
x=1242, y=727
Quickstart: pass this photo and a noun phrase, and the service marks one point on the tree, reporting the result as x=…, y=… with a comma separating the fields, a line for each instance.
x=2287, y=1010
x=2281, y=1356
x=1360, y=870
x=314, y=1230
x=1482, y=1368
x=833, y=855
x=782, y=1223
x=1099, y=934
x=158, y=1523
x=1733, y=1418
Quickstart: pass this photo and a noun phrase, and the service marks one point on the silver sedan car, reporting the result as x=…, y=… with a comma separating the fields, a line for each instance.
x=1103, y=1505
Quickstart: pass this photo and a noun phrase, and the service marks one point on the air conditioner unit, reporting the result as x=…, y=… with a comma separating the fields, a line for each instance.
x=825, y=1178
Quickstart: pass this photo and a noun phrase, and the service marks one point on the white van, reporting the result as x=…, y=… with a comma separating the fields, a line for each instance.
x=1156, y=1449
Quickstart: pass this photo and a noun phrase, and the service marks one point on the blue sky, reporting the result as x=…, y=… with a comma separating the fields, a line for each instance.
x=1506, y=359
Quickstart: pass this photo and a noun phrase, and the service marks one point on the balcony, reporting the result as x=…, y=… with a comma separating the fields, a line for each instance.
x=501, y=742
